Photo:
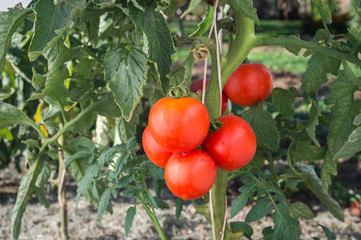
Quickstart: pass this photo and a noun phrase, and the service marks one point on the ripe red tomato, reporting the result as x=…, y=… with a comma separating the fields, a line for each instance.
x=233, y=145
x=198, y=85
x=158, y=155
x=249, y=84
x=190, y=175
x=179, y=125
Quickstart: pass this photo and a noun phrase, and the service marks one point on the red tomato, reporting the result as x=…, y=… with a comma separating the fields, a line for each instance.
x=233, y=145
x=198, y=85
x=249, y=84
x=158, y=155
x=179, y=125
x=190, y=175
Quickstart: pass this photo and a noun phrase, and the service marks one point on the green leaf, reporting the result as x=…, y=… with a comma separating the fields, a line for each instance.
x=286, y=227
x=264, y=126
x=109, y=109
x=43, y=176
x=244, y=227
x=205, y=24
x=247, y=191
x=178, y=207
x=40, y=194
x=292, y=49
x=154, y=171
x=329, y=235
x=314, y=184
x=6, y=93
x=57, y=55
x=104, y=202
x=55, y=92
x=267, y=233
x=357, y=4
x=283, y=101
x=9, y=21
x=129, y=219
x=258, y=211
x=353, y=144
x=312, y=123
x=125, y=130
x=343, y=110
x=49, y=20
x=323, y=10
x=125, y=72
x=25, y=190
x=299, y=209
x=158, y=39
x=305, y=151
x=247, y=9
x=356, y=34
x=11, y=115
x=315, y=75
x=32, y=143
x=161, y=204
x=192, y=5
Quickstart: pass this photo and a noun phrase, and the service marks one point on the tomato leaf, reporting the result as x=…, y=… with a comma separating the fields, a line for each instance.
x=43, y=176
x=303, y=150
x=353, y=144
x=158, y=40
x=258, y=211
x=343, y=109
x=329, y=235
x=26, y=188
x=247, y=9
x=125, y=72
x=283, y=101
x=129, y=219
x=299, y=209
x=125, y=130
x=312, y=123
x=9, y=21
x=315, y=75
x=247, y=191
x=178, y=207
x=40, y=194
x=244, y=227
x=267, y=233
x=314, y=184
x=9, y=115
x=323, y=10
x=264, y=126
x=50, y=23
x=285, y=226
x=104, y=202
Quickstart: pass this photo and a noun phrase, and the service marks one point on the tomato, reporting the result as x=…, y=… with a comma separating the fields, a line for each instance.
x=157, y=154
x=190, y=175
x=180, y=3
x=198, y=85
x=249, y=84
x=200, y=9
x=179, y=125
x=233, y=145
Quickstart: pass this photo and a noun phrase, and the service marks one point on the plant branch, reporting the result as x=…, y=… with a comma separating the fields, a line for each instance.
x=292, y=42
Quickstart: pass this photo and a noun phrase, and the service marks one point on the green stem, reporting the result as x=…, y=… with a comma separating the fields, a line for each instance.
x=154, y=219
x=69, y=124
x=314, y=46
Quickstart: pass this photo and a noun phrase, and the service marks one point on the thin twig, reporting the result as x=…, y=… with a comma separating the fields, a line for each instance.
x=212, y=214
x=224, y=220
x=61, y=183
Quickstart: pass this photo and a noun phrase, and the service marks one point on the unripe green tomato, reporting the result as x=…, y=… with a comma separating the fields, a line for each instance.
x=180, y=3
x=201, y=9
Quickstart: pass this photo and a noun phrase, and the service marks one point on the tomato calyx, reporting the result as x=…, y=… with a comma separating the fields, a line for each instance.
x=215, y=125
x=178, y=92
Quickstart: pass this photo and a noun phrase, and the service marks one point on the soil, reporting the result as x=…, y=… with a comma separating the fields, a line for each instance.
x=44, y=223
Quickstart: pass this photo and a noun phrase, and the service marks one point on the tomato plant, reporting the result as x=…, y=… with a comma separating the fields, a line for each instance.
x=179, y=125
x=190, y=175
x=249, y=84
x=233, y=145
x=79, y=79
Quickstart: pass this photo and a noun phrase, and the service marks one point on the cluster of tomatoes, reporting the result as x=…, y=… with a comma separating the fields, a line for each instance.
x=177, y=127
